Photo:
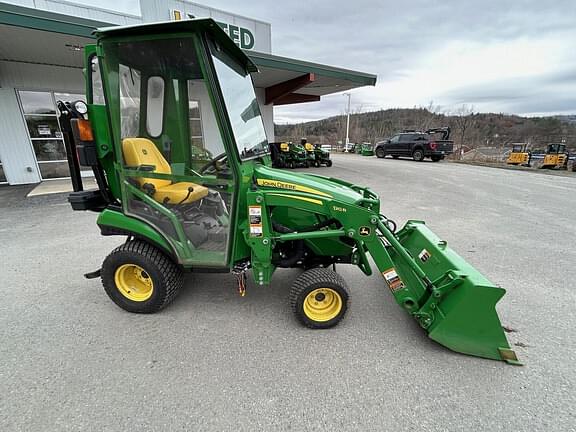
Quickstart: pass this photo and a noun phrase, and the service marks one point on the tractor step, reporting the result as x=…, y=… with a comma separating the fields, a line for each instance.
x=93, y=275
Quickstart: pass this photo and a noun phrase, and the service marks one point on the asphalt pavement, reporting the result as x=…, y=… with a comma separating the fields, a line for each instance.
x=70, y=360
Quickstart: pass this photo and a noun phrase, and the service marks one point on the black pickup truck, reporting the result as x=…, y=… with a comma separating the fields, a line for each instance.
x=433, y=143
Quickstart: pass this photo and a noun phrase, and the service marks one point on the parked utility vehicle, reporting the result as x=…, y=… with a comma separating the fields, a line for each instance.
x=231, y=211
x=434, y=144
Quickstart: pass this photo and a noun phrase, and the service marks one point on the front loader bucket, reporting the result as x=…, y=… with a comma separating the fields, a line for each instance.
x=449, y=298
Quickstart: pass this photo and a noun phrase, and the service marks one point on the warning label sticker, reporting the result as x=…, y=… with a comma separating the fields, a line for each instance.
x=256, y=230
x=393, y=280
x=424, y=255
x=255, y=220
x=255, y=215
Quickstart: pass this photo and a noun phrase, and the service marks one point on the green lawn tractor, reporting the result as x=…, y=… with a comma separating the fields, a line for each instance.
x=367, y=149
x=300, y=156
x=316, y=154
x=288, y=155
x=235, y=213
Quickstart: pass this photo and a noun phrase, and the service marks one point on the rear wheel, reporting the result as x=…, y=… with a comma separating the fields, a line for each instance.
x=291, y=165
x=328, y=163
x=380, y=153
x=139, y=278
x=319, y=298
x=418, y=155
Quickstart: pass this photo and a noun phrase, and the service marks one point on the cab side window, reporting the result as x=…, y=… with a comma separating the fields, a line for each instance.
x=97, y=96
x=129, y=101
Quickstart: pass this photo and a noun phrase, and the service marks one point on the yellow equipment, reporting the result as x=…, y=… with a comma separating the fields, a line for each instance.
x=519, y=155
x=556, y=157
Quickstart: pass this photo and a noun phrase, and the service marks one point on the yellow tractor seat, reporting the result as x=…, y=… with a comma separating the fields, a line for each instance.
x=140, y=152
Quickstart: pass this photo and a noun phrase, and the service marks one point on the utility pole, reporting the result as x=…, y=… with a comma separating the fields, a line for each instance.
x=347, y=121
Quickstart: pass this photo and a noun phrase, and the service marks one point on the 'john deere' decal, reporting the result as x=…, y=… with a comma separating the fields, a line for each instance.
x=364, y=231
x=290, y=186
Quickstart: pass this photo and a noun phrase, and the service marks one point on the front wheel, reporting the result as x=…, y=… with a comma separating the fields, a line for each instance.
x=380, y=153
x=319, y=298
x=140, y=278
x=418, y=155
x=328, y=163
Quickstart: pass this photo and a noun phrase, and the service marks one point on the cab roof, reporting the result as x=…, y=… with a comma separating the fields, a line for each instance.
x=196, y=25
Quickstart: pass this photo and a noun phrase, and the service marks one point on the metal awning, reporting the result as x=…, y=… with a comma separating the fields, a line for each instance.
x=288, y=80
x=41, y=37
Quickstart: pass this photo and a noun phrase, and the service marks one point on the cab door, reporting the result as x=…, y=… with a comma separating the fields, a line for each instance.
x=174, y=171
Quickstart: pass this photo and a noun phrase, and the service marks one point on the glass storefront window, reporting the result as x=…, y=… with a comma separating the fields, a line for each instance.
x=40, y=114
x=49, y=150
x=37, y=102
x=50, y=170
x=43, y=126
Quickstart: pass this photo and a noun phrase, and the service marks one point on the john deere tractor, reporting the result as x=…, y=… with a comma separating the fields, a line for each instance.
x=288, y=155
x=147, y=88
x=316, y=154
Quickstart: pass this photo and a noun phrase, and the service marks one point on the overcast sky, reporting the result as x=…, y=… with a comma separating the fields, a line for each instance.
x=512, y=56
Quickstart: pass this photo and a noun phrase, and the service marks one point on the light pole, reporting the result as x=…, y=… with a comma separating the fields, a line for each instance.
x=347, y=121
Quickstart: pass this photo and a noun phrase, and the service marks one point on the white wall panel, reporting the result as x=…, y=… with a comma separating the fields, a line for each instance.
x=41, y=77
x=77, y=9
x=15, y=150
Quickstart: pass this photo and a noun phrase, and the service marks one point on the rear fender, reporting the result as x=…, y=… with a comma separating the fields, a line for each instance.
x=112, y=222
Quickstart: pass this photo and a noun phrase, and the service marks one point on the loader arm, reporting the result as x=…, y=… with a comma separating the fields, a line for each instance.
x=450, y=299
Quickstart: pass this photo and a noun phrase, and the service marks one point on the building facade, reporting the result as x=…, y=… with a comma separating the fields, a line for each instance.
x=41, y=62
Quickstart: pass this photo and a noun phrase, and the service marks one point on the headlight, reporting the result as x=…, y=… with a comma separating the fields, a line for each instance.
x=81, y=107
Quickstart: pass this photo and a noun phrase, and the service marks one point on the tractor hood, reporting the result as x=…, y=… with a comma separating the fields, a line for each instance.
x=315, y=185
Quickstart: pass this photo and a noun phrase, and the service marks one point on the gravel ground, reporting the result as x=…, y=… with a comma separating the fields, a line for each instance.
x=71, y=360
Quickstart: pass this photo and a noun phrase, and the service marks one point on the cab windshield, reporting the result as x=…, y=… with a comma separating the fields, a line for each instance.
x=241, y=104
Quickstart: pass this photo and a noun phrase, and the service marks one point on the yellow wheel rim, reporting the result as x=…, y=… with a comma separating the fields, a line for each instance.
x=322, y=304
x=133, y=282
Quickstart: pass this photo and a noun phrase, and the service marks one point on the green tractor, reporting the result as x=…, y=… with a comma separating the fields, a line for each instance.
x=316, y=154
x=236, y=213
x=287, y=155
x=300, y=156
x=367, y=149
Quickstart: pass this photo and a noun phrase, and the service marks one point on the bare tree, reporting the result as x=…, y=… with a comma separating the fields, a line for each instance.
x=462, y=122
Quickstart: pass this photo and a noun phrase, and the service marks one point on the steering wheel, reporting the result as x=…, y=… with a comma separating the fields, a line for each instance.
x=214, y=164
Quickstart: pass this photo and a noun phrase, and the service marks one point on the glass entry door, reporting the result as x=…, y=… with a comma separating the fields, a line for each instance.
x=40, y=114
x=2, y=175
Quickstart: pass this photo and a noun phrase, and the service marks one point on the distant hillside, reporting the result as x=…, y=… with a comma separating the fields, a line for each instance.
x=469, y=129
